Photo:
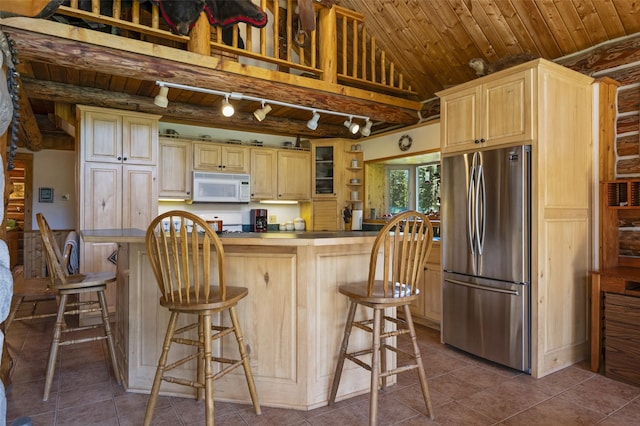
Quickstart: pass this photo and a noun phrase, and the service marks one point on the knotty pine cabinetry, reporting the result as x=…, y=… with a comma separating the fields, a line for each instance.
x=264, y=173
x=498, y=111
x=117, y=179
x=294, y=179
x=228, y=158
x=549, y=107
x=427, y=310
x=329, y=191
x=175, y=169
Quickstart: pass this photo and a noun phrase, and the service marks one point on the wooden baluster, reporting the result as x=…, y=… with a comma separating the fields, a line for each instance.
x=328, y=44
x=354, y=69
x=200, y=37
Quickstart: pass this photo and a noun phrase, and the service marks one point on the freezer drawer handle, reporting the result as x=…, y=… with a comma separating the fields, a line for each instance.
x=482, y=287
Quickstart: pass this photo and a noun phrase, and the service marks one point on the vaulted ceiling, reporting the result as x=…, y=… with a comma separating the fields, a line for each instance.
x=432, y=41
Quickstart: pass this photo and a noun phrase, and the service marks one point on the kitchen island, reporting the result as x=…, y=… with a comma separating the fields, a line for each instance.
x=293, y=318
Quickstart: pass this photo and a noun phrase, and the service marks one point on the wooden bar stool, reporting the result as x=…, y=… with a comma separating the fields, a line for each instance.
x=66, y=285
x=404, y=244
x=184, y=259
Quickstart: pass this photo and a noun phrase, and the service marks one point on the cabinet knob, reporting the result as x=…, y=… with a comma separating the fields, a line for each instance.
x=119, y=158
x=482, y=140
x=476, y=141
x=124, y=159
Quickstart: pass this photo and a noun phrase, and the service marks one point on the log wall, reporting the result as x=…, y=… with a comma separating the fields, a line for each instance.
x=620, y=61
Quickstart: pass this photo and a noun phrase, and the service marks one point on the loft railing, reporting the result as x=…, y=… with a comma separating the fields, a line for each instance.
x=338, y=51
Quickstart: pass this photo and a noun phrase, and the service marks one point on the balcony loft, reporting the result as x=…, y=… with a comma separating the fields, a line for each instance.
x=77, y=56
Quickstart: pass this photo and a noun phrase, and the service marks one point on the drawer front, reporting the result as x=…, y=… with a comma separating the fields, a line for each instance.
x=622, y=309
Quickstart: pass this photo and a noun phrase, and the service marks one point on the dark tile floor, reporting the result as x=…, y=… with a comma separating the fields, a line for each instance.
x=464, y=391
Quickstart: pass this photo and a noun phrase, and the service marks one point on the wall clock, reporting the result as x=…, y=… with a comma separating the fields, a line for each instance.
x=404, y=143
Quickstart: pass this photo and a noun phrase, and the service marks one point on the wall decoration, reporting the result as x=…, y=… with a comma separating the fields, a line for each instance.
x=45, y=195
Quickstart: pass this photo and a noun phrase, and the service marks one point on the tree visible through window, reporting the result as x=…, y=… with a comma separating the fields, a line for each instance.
x=414, y=187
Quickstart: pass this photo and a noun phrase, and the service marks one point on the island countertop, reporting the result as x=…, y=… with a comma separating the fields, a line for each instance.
x=279, y=238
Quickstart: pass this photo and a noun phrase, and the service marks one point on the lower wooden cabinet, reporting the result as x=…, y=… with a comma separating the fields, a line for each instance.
x=622, y=337
x=428, y=309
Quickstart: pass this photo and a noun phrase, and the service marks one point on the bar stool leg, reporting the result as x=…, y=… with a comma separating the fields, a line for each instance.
x=245, y=359
x=343, y=350
x=155, y=389
x=375, y=367
x=418, y=357
x=55, y=343
x=205, y=321
x=107, y=330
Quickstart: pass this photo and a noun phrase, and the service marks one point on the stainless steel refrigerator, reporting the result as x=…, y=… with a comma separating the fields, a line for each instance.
x=486, y=246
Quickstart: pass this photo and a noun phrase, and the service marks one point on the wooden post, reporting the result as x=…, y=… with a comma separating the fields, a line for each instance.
x=200, y=37
x=328, y=44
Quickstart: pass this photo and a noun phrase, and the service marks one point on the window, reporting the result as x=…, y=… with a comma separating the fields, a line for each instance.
x=413, y=187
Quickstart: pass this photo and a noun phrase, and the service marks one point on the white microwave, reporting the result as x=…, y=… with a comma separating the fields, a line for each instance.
x=211, y=187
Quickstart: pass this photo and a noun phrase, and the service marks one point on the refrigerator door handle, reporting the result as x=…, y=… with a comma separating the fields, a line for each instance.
x=470, y=208
x=480, y=208
x=482, y=287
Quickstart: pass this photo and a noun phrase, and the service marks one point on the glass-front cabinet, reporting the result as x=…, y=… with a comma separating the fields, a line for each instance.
x=325, y=175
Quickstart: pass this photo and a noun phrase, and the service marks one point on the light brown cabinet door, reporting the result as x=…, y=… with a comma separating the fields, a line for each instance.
x=101, y=136
x=264, y=174
x=326, y=216
x=139, y=196
x=111, y=137
x=294, y=175
x=175, y=169
x=497, y=112
x=220, y=158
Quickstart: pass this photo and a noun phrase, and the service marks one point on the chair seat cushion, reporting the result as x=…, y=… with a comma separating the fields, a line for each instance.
x=234, y=294
x=396, y=297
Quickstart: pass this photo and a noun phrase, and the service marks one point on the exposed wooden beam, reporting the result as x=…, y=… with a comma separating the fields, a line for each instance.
x=175, y=112
x=201, y=71
x=28, y=131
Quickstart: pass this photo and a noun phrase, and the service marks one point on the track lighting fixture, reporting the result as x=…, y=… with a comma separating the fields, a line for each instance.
x=366, y=130
x=312, y=124
x=353, y=127
x=261, y=113
x=227, y=109
x=161, y=99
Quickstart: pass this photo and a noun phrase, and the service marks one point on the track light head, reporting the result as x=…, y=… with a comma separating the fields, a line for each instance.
x=366, y=130
x=353, y=127
x=161, y=98
x=227, y=109
x=261, y=113
x=312, y=124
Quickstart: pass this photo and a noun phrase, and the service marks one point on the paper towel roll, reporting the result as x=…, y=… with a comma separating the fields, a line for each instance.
x=356, y=220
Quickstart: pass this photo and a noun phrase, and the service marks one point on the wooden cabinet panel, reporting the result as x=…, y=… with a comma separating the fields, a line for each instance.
x=175, y=168
x=221, y=158
x=497, y=112
x=294, y=177
x=325, y=215
x=109, y=136
x=264, y=173
x=139, y=195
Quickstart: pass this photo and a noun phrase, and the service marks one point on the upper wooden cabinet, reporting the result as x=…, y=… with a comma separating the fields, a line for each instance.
x=264, y=173
x=175, y=168
x=294, y=179
x=326, y=168
x=111, y=137
x=229, y=158
x=493, y=112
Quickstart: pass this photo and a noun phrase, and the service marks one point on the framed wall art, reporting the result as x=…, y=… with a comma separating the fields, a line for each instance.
x=45, y=195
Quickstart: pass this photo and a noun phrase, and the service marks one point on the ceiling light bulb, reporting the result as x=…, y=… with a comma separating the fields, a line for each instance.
x=353, y=127
x=261, y=113
x=161, y=99
x=227, y=108
x=366, y=130
x=312, y=124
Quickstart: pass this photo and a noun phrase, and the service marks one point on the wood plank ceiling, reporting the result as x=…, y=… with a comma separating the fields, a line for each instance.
x=432, y=41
